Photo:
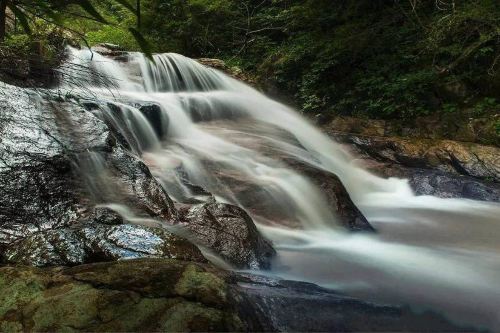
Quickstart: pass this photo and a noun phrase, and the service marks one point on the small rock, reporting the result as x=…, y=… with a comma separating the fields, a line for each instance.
x=155, y=117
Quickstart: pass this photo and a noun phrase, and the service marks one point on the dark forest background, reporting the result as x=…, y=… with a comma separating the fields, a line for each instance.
x=377, y=59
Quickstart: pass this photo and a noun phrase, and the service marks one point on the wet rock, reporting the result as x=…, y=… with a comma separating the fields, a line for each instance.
x=38, y=190
x=443, y=184
x=272, y=305
x=56, y=162
x=106, y=236
x=170, y=295
x=143, y=190
x=111, y=50
x=51, y=247
x=451, y=156
x=106, y=215
x=336, y=195
x=155, y=117
x=230, y=232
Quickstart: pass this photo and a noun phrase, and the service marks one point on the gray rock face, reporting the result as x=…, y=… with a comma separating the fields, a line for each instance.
x=36, y=179
x=56, y=162
x=229, y=232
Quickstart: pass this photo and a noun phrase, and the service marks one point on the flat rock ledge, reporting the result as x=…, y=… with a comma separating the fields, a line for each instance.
x=149, y=295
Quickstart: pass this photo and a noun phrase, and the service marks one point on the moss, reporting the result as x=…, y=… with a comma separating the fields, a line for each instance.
x=133, y=295
x=65, y=309
x=193, y=317
x=202, y=286
x=11, y=327
x=18, y=287
x=145, y=314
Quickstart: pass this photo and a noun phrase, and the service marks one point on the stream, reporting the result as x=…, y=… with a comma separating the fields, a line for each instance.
x=222, y=135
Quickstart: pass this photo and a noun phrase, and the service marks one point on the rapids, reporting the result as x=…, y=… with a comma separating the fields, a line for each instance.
x=218, y=133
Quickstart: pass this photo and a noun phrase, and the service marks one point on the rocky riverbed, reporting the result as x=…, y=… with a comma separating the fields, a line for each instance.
x=174, y=295
x=442, y=168
x=72, y=261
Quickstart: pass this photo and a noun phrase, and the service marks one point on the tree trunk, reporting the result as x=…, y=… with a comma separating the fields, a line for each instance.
x=3, y=19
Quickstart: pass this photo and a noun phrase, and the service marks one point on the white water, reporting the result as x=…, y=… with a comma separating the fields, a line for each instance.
x=222, y=135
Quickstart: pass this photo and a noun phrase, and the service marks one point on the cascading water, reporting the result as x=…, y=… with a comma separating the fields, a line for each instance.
x=226, y=137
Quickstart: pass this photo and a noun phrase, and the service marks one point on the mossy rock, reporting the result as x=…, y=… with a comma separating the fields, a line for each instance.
x=130, y=295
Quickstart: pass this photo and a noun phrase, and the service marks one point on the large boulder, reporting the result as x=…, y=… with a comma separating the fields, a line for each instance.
x=149, y=295
x=228, y=231
x=444, y=169
x=57, y=161
x=127, y=296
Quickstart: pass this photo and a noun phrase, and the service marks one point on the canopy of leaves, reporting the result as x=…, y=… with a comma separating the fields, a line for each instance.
x=375, y=58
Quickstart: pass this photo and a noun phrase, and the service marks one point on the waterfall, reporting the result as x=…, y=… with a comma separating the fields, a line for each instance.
x=226, y=137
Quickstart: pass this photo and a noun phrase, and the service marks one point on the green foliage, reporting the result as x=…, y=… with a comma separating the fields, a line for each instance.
x=18, y=43
x=369, y=58
x=486, y=105
x=115, y=35
x=63, y=14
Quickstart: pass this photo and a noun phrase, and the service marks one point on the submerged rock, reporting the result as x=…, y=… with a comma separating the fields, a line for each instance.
x=170, y=295
x=256, y=196
x=230, y=232
x=336, y=195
